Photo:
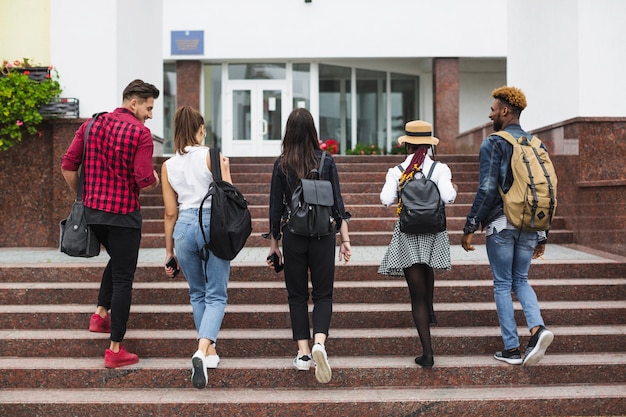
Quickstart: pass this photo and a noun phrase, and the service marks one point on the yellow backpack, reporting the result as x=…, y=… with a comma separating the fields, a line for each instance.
x=530, y=203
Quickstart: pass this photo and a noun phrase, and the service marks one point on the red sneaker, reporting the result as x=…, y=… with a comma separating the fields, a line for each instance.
x=99, y=325
x=121, y=358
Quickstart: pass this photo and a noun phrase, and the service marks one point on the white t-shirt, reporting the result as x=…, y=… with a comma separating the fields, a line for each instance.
x=190, y=177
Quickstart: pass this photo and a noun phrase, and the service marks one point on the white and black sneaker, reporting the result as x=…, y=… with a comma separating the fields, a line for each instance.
x=537, y=346
x=302, y=362
x=512, y=356
x=323, y=373
x=199, y=375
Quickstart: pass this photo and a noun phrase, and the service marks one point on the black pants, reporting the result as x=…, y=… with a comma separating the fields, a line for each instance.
x=116, y=287
x=317, y=255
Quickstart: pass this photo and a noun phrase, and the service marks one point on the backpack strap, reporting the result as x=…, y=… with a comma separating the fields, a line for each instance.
x=321, y=168
x=216, y=170
x=432, y=168
x=506, y=136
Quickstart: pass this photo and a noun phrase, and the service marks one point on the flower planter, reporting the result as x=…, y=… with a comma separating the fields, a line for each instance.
x=60, y=107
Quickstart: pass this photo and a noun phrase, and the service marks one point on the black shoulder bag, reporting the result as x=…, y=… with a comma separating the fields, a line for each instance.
x=77, y=239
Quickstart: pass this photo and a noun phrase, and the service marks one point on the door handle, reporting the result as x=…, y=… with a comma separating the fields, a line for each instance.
x=264, y=127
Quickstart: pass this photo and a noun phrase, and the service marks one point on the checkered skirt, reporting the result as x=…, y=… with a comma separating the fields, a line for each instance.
x=406, y=249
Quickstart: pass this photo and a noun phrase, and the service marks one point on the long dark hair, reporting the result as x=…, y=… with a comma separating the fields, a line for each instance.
x=300, y=143
x=187, y=121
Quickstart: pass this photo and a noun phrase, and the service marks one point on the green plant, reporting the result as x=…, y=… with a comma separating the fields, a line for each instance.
x=361, y=149
x=397, y=149
x=20, y=100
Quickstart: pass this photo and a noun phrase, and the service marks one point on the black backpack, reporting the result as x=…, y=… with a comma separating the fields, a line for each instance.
x=231, y=223
x=310, y=211
x=422, y=208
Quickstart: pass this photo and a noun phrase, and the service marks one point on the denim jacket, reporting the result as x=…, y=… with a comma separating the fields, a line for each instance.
x=495, y=169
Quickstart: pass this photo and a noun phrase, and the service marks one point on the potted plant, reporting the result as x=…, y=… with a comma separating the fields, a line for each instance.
x=23, y=90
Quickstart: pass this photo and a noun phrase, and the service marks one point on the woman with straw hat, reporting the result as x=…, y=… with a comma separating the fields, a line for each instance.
x=415, y=255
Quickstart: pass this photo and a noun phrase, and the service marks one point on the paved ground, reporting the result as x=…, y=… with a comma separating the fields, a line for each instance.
x=248, y=256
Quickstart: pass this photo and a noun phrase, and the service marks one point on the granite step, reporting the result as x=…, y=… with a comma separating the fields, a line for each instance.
x=278, y=373
x=274, y=316
x=379, y=291
x=555, y=400
x=469, y=271
x=241, y=343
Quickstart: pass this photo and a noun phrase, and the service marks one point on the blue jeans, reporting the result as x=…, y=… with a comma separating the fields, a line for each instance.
x=510, y=253
x=207, y=294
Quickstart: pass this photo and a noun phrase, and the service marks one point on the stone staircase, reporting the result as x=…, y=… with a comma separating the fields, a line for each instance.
x=50, y=365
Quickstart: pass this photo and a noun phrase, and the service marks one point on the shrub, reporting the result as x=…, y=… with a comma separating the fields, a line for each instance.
x=361, y=149
x=20, y=100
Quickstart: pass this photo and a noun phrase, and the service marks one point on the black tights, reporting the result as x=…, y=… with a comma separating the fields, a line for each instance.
x=420, y=279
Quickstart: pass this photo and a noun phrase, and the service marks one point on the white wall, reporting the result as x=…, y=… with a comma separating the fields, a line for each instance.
x=277, y=29
x=569, y=59
x=602, y=58
x=98, y=51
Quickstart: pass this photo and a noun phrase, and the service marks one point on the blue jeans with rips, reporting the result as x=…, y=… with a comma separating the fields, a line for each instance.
x=510, y=253
x=207, y=294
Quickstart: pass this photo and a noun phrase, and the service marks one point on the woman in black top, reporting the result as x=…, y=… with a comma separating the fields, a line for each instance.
x=300, y=154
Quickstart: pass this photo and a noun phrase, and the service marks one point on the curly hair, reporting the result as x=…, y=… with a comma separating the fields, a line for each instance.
x=513, y=96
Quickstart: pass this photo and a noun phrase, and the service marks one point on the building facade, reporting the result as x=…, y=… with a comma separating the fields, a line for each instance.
x=362, y=68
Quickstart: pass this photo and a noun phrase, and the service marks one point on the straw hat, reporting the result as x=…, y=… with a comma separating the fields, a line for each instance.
x=418, y=132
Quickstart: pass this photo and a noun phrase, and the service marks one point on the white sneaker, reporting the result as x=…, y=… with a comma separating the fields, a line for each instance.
x=199, y=376
x=323, y=373
x=302, y=363
x=211, y=361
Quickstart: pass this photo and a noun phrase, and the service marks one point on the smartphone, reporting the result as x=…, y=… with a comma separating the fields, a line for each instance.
x=274, y=258
x=173, y=264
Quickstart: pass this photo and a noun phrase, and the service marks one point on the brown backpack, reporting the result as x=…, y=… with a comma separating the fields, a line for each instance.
x=530, y=203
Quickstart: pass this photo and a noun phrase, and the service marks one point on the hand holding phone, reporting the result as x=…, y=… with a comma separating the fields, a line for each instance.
x=173, y=264
x=274, y=258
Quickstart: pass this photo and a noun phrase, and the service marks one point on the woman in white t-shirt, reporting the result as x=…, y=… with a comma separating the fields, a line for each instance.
x=185, y=180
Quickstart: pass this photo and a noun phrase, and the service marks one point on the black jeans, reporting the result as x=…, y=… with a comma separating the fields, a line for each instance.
x=317, y=255
x=116, y=287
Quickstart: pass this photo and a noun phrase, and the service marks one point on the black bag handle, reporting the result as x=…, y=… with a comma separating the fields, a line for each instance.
x=81, y=177
x=216, y=170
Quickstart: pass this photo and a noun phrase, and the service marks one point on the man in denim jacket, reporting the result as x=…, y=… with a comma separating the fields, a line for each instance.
x=510, y=250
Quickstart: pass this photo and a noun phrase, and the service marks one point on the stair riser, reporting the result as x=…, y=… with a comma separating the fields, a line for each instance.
x=375, y=238
x=236, y=295
x=264, y=378
x=345, y=408
x=345, y=176
x=471, y=271
x=371, y=319
x=93, y=345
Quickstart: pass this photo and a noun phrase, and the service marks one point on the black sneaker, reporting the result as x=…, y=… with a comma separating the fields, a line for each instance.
x=537, y=346
x=512, y=357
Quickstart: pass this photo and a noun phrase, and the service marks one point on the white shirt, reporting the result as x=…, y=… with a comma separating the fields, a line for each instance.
x=442, y=176
x=190, y=177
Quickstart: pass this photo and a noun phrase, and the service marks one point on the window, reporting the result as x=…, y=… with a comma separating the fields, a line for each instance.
x=257, y=71
x=212, y=104
x=371, y=108
x=404, y=103
x=169, y=107
x=335, y=105
x=302, y=86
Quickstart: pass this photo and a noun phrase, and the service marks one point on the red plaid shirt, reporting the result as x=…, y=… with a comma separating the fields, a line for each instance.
x=118, y=161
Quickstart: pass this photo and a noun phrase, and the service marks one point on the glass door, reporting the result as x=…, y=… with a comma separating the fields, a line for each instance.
x=255, y=114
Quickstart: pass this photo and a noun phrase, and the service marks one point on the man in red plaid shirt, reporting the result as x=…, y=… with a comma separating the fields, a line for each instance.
x=118, y=165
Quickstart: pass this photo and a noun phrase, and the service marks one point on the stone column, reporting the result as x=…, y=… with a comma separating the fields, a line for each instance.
x=446, y=103
x=188, y=75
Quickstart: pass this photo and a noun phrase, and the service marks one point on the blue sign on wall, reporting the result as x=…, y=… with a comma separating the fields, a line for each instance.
x=187, y=42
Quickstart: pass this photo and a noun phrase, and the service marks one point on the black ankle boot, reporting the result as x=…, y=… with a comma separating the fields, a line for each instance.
x=424, y=361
